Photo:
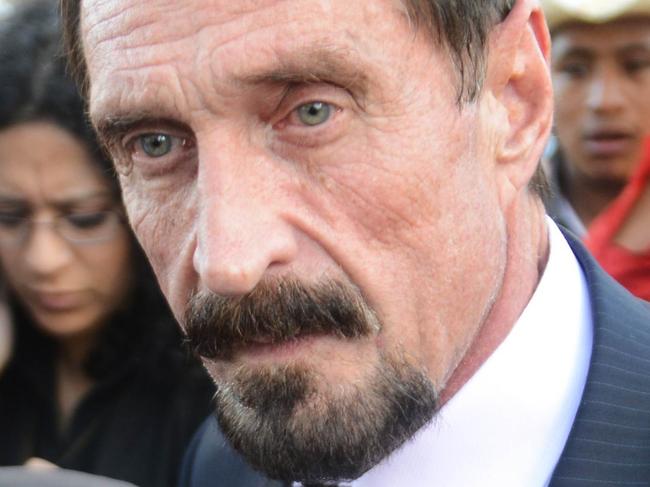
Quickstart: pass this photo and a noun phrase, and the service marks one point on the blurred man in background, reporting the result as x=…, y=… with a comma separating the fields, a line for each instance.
x=601, y=78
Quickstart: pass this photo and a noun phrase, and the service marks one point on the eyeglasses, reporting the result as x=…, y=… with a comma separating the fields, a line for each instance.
x=76, y=228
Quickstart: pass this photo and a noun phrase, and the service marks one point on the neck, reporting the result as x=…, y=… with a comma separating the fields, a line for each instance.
x=72, y=380
x=589, y=197
x=527, y=254
x=73, y=351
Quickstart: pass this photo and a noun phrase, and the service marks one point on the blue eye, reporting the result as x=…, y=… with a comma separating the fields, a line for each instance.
x=155, y=145
x=314, y=113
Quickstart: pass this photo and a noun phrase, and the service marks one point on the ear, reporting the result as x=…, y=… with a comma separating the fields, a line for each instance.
x=518, y=80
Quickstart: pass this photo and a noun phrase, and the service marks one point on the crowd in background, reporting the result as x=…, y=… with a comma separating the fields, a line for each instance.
x=95, y=378
x=599, y=166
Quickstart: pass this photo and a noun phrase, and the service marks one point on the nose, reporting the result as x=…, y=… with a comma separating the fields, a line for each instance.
x=45, y=252
x=606, y=93
x=243, y=233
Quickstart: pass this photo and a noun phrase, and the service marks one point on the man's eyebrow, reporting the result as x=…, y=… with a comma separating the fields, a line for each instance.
x=577, y=51
x=635, y=47
x=322, y=65
x=111, y=127
x=314, y=66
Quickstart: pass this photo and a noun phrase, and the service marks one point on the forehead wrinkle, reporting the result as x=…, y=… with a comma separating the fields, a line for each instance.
x=318, y=64
x=322, y=56
x=159, y=99
x=120, y=21
x=112, y=116
x=112, y=26
x=97, y=10
x=139, y=53
x=128, y=22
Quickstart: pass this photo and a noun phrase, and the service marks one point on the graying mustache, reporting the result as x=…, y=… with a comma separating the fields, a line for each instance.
x=275, y=311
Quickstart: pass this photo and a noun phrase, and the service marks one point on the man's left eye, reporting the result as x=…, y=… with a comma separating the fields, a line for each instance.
x=314, y=113
x=155, y=145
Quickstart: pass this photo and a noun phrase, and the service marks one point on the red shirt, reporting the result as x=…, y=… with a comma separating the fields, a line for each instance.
x=629, y=268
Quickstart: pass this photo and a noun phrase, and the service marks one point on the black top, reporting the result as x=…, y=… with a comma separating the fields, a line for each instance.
x=133, y=425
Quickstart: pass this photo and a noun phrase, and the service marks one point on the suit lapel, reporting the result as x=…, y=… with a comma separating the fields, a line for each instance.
x=609, y=443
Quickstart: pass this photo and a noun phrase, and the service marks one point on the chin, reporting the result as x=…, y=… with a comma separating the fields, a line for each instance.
x=298, y=422
x=66, y=325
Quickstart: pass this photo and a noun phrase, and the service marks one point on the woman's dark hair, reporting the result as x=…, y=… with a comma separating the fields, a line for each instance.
x=35, y=86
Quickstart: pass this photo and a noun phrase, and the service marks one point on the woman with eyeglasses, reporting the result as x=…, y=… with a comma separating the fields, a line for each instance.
x=97, y=380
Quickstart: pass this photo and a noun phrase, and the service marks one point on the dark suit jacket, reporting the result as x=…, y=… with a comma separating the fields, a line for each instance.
x=609, y=444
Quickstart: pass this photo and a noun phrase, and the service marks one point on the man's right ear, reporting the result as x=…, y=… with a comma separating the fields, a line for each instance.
x=518, y=79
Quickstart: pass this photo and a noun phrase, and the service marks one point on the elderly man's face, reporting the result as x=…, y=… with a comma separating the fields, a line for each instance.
x=601, y=75
x=279, y=159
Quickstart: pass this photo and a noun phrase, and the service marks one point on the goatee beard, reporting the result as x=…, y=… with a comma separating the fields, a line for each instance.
x=287, y=420
x=293, y=428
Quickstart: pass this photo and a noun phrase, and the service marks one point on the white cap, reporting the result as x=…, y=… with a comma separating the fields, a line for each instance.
x=5, y=8
x=558, y=12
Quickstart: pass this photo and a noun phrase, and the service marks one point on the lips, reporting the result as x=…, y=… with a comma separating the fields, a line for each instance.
x=56, y=301
x=277, y=350
x=608, y=143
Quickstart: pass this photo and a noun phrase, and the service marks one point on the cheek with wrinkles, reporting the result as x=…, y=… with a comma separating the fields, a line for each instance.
x=161, y=221
x=382, y=214
x=388, y=189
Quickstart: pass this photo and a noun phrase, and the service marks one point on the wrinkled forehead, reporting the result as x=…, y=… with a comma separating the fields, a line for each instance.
x=204, y=41
x=102, y=19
